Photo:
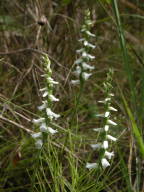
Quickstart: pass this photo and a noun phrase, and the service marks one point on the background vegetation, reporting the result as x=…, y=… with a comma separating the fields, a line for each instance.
x=32, y=27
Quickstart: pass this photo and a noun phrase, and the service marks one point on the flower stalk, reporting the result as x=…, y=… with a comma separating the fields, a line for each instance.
x=46, y=114
x=103, y=146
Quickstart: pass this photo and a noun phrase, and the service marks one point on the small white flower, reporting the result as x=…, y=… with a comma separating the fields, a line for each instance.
x=90, y=34
x=52, y=131
x=105, y=145
x=91, y=165
x=78, y=71
x=87, y=44
x=75, y=82
x=107, y=113
x=43, y=127
x=80, y=50
x=39, y=144
x=86, y=66
x=51, y=81
x=107, y=99
x=53, y=98
x=96, y=146
x=38, y=121
x=36, y=135
x=86, y=55
x=112, y=109
x=78, y=61
x=109, y=155
x=105, y=163
x=98, y=129
x=43, y=89
x=111, y=122
x=86, y=75
x=106, y=127
x=43, y=106
x=45, y=94
x=111, y=138
x=51, y=114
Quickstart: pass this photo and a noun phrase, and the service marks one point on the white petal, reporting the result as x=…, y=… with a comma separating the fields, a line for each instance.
x=109, y=155
x=52, y=131
x=111, y=138
x=36, y=135
x=78, y=61
x=107, y=99
x=86, y=75
x=51, y=114
x=39, y=144
x=38, y=121
x=96, y=146
x=106, y=127
x=105, y=144
x=87, y=44
x=43, y=127
x=105, y=163
x=112, y=109
x=91, y=165
x=90, y=34
x=53, y=98
x=107, y=113
x=80, y=50
x=43, y=106
x=51, y=81
x=75, y=82
x=78, y=71
x=86, y=66
x=111, y=122
x=86, y=55
x=43, y=89
x=98, y=129
x=45, y=94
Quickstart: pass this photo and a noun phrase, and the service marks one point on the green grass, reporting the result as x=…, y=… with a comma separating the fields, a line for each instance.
x=60, y=165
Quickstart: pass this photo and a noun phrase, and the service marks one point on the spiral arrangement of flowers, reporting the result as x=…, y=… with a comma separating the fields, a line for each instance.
x=46, y=113
x=104, y=154
x=83, y=69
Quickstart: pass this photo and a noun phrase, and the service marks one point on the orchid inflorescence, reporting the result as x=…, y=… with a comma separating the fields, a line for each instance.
x=104, y=154
x=47, y=115
x=83, y=69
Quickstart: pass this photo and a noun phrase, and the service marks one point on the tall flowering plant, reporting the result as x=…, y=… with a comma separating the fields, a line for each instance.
x=103, y=146
x=83, y=69
x=46, y=113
